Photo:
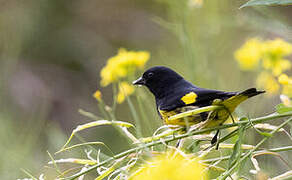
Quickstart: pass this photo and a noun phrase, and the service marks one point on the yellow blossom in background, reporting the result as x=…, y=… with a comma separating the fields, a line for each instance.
x=248, y=56
x=277, y=47
x=271, y=55
x=97, y=95
x=274, y=52
x=287, y=90
x=125, y=63
x=277, y=66
x=271, y=52
x=267, y=81
x=284, y=79
x=171, y=166
x=125, y=90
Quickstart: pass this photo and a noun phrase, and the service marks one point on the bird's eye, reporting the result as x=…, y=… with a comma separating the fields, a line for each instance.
x=150, y=74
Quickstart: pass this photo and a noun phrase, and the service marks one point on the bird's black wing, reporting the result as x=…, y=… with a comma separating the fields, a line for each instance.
x=204, y=97
x=207, y=96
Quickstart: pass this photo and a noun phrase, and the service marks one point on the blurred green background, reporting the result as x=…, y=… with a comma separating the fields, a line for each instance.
x=53, y=50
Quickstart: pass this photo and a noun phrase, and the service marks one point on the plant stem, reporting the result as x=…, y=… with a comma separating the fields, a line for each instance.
x=175, y=137
x=136, y=118
x=280, y=149
x=228, y=173
x=143, y=115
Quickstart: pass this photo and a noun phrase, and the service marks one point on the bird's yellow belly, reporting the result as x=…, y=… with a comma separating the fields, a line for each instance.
x=186, y=121
x=215, y=118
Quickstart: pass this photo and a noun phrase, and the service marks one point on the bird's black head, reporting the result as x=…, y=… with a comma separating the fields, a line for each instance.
x=158, y=80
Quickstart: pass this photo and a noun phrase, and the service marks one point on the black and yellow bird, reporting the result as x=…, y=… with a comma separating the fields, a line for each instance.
x=173, y=95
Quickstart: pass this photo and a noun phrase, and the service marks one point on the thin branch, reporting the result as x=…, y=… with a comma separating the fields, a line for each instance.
x=227, y=173
x=280, y=149
x=175, y=137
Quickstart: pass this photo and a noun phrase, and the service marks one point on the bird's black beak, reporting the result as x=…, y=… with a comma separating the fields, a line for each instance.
x=140, y=81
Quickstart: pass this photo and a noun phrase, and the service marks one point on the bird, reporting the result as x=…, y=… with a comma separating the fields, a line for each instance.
x=173, y=95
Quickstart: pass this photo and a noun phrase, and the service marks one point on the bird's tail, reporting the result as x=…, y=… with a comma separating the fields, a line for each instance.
x=251, y=92
x=232, y=102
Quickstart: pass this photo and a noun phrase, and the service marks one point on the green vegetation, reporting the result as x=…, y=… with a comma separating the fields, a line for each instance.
x=53, y=52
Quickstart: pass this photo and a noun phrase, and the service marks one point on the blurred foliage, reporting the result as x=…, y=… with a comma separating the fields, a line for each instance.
x=53, y=50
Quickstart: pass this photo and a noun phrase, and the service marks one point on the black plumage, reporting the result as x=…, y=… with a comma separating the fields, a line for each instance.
x=173, y=94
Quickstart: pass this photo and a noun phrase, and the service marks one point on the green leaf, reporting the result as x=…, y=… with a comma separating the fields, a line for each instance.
x=94, y=124
x=78, y=145
x=281, y=108
x=237, y=148
x=266, y=134
x=266, y=3
x=243, y=119
x=234, y=154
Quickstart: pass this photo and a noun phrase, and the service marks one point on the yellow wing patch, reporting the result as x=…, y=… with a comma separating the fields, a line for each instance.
x=189, y=98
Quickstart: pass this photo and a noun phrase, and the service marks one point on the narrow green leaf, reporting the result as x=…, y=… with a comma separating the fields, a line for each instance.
x=94, y=124
x=88, y=114
x=266, y=134
x=134, y=112
x=281, y=108
x=236, y=154
x=266, y=3
x=78, y=145
x=74, y=161
x=243, y=119
x=233, y=155
x=161, y=135
x=54, y=163
x=28, y=174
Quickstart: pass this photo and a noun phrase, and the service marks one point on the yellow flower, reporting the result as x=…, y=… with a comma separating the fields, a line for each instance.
x=125, y=90
x=287, y=90
x=123, y=64
x=277, y=48
x=267, y=81
x=170, y=166
x=97, y=95
x=273, y=53
x=248, y=56
x=284, y=79
x=287, y=84
x=276, y=65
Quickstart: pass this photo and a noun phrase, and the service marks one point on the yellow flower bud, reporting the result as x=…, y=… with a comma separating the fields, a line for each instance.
x=97, y=95
x=283, y=79
x=125, y=90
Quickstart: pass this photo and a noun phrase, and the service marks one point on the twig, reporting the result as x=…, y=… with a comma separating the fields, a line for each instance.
x=227, y=173
x=175, y=137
